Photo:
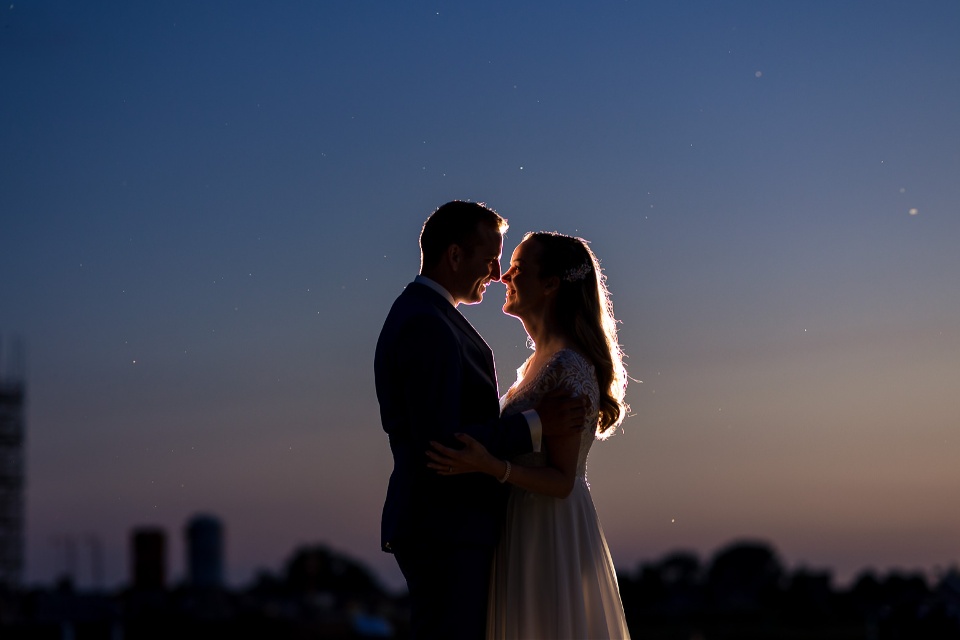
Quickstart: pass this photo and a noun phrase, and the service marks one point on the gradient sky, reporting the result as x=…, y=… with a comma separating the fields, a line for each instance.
x=208, y=208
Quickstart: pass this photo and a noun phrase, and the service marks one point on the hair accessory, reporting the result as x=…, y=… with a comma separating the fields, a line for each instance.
x=578, y=274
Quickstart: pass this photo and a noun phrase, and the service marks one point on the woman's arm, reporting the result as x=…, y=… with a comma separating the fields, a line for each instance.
x=555, y=480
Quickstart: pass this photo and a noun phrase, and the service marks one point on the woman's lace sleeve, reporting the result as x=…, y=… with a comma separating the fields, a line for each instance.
x=572, y=372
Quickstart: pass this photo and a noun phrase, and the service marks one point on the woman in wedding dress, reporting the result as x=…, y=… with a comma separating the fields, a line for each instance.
x=553, y=576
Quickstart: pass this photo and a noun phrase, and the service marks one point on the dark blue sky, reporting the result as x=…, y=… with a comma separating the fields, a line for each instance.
x=207, y=209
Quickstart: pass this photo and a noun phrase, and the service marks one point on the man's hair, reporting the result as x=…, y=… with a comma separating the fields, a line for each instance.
x=455, y=222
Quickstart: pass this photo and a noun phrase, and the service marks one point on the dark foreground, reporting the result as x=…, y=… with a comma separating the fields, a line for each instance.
x=744, y=593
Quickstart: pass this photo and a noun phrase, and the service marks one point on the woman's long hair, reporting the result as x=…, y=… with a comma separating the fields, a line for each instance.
x=585, y=313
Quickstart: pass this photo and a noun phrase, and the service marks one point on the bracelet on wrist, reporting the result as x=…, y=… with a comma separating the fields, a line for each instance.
x=506, y=474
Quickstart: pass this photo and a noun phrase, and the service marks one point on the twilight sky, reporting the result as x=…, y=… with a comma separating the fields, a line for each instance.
x=207, y=208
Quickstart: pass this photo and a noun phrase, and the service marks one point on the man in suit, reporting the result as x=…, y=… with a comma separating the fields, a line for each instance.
x=435, y=377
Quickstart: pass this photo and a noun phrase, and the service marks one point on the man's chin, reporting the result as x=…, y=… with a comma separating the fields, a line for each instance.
x=477, y=296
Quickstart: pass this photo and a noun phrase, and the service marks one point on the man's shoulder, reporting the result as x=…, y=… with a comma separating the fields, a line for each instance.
x=418, y=307
x=417, y=299
x=417, y=323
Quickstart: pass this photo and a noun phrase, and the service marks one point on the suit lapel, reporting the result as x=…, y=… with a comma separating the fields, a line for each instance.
x=461, y=323
x=475, y=336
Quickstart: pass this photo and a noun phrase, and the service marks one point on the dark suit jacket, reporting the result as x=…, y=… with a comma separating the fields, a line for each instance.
x=435, y=377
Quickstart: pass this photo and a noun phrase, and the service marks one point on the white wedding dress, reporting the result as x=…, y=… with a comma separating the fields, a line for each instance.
x=553, y=576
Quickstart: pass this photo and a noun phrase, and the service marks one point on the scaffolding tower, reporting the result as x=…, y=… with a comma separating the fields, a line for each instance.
x=12, y=425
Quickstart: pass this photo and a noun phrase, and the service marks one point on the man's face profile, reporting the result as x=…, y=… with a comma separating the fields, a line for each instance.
x=480, y=264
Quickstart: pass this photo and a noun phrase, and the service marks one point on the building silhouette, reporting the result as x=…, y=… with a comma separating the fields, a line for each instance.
x=204, y=548
x=12, y=433
x=149, y=559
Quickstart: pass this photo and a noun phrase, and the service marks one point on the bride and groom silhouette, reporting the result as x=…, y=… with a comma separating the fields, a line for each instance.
x=488, y=512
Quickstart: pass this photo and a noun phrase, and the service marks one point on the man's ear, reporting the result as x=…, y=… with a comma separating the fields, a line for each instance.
x=454, y=257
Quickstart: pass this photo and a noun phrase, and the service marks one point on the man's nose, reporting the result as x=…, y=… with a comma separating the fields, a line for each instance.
x=495, y=272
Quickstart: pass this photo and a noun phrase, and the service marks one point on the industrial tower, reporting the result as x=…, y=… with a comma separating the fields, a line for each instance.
x=12, y=424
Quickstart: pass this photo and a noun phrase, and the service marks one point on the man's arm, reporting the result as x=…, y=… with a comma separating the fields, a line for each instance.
x=555, y=480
